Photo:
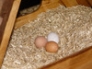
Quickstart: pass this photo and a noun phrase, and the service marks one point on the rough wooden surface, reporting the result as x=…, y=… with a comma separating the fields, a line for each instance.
x=5, y=11
x=8, y=29
x=90, y=2
x=1, y=19
x=80, y=60
x=83, y=2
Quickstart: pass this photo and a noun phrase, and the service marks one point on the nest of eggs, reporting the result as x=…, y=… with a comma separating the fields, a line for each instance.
x=73, y=26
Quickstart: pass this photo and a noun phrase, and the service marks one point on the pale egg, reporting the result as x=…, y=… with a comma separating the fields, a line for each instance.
x=53, y=37
x=40, y=41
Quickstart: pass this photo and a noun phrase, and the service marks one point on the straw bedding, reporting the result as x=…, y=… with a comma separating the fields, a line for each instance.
x=73, y=25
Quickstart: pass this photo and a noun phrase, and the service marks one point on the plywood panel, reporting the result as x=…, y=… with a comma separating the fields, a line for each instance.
x=4, y=13
x=1, y=4
x=69, y=3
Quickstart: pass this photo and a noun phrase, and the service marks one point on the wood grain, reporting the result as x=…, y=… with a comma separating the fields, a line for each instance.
x=1, y=4
x=83, y=2
x=69, y=3
x=1, y=19
x=80, y=60
x=5, y=11
x=8, y=29
x=90, y=2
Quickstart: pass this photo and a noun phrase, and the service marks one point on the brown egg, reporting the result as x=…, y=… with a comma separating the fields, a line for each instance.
x=51, y=47
x=40, y=41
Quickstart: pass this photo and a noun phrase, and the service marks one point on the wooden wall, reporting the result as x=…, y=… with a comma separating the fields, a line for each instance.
x=69, y=3
x=8, y=12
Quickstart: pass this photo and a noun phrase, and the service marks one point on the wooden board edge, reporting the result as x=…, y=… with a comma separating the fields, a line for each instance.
x=83, y=2
x=79, y=60
x=69, y=3
x=5, y=11
x=8, y=29
x=90, y=2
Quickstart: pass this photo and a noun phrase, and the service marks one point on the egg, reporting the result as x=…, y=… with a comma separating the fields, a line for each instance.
x=40, y=41
x=51, y=47
x=53, y=37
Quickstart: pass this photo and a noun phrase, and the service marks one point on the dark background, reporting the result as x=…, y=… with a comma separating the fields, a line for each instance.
x=29, y=3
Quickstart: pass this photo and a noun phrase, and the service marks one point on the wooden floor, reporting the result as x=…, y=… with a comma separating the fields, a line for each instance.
x=5, y=8
x=69, y=3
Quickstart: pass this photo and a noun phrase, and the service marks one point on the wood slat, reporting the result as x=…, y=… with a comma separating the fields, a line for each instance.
x=8, y=29
x=1, y=19
x=1, y=4
x=5, y=11
x=69, y=3
x=80, y=60
x=83, y=2
x=90, y=2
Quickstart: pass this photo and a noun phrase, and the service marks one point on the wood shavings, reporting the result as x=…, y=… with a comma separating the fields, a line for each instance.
x=28, y=10
x=73, y=25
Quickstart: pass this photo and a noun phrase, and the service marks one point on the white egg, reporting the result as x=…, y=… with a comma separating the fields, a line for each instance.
x=53, y=37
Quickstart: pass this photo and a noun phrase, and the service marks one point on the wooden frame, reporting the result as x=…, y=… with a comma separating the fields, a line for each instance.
x=8, y=26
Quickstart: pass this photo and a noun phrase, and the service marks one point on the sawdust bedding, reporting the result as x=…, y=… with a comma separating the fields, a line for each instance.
x=73, y=25
x=29, y=10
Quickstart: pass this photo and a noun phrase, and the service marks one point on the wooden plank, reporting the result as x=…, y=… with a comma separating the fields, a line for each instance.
x=90, y=2
x=83, y=2
x=5, y=11
x=69, y=3
x=80, y=60
x=8, y=29
x=1, y=4
x=1, y=19
x=47, y=4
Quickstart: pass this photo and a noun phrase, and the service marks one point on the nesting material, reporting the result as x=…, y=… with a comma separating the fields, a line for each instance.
x=73, y=25
x=28, y=10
